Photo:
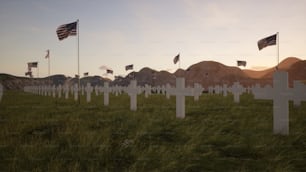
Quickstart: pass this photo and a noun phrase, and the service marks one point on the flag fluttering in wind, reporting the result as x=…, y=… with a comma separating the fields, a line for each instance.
x=65, y=30
x=129, y=67
x=86, y=74
x=176, y=59
x=28, y=73
x=32, y=64
x=268, y=41
x=109, y=71
x=48, y=54
x=241, y=63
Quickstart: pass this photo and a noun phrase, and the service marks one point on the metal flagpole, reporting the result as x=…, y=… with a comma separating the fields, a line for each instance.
x=49, y=63
x=78, y=32
x=277, y=35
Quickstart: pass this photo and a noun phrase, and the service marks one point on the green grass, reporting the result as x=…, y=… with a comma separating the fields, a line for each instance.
x=40, y=133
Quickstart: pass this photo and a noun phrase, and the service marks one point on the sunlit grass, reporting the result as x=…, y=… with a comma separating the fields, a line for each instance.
x=41, y=133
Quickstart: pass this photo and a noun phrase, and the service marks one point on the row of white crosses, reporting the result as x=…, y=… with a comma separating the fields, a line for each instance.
x=236, y=89
x=280, y=95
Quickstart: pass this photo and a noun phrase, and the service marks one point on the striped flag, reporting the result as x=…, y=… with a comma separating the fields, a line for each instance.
x=28, y=73
x=32, y=64
x=65, y=30
x=109, y=71
x=129, y=67
x=48, y=54
x=271, y=40
x=176, y=59
x=241, y=63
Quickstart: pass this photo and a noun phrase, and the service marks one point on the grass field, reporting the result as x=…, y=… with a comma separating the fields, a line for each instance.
x=40, y=133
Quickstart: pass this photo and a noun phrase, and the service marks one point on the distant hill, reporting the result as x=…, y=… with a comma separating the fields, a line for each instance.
x=11, y=82
x=207, y=73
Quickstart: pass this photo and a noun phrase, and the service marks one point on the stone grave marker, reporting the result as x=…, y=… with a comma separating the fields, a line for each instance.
x=218, y=89
x=133, y=91
x=53, y=91
x=76, y=92
x=224, y=90
x=280, y=94
x=106, y=90
x=237, y=90
x=210, y=89
x=88, y=90
x=197, y=91
x=66, y=91
x=97, y=90
x=299, y=92
x=59, y=91
x=168, y=87
x=180, y=92
x=147, y=90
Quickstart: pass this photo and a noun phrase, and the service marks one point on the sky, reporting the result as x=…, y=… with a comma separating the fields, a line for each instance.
x=147, y=33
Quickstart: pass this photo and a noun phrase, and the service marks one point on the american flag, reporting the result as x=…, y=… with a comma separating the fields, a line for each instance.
x=241, y=63
x=109, y=71
x=32, y=64
x=129, y=67
x=65, y=30
x=271, y=40
x=176, y=59
x=48, y=54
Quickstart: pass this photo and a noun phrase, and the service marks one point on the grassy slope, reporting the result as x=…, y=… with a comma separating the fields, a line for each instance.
x=45, y=134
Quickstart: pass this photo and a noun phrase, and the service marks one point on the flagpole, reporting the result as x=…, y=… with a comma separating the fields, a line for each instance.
x=48, y=56
x=78, y=27
x=277, y=49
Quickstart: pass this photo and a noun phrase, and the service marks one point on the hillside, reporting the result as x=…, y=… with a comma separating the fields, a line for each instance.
x=207, y=73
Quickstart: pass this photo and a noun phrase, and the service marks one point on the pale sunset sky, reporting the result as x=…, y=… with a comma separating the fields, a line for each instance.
x=147, y=33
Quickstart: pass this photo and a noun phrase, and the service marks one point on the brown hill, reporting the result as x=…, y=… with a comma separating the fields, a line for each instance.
x=207, y=73
x=268, y=73
x=211, y=73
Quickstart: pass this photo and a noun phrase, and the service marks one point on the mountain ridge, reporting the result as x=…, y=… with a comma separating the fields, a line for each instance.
x=207, y=73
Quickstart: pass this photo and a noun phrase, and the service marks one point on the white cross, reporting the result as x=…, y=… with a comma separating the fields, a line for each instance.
x=133, y=91
x=180, y=92
x=59, y=91
x=299, y=92
x=237, y=90
x=97, y=90
x=224, y=90
x=88, y=90
x=40, y=90
x=45, y=90
x=197, y=91
x=280, y=94
x=117, y=90
x=49, y=90
x=66, y=91
x=217, y=89
x=106, y=90
x=210, y=89
x=147, y=90
x=168, y=87
x=53, y=91
x=76, y=92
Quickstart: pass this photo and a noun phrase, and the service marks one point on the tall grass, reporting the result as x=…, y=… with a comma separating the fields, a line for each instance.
x=44, y=134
